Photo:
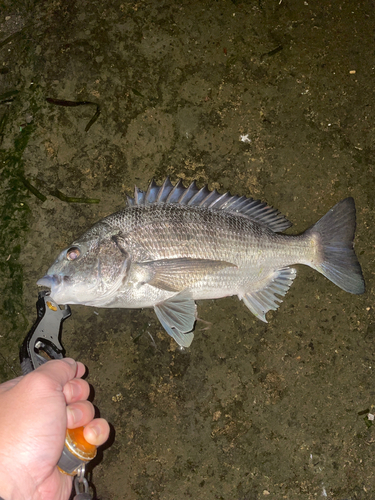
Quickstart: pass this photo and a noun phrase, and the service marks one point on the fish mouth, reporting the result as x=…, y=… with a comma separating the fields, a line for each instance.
x=55, y=283
x=63, y=289
x=50, y=281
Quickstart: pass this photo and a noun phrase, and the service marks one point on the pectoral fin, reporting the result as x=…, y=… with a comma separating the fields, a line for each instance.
x=175, y=275
x=178, y=315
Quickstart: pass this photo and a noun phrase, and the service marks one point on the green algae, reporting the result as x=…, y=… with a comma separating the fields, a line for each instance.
x=14, y=214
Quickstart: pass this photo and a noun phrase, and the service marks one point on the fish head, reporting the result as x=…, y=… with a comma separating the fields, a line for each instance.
x=90, y=270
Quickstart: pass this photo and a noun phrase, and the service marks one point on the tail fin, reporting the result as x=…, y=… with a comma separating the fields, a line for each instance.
x=335, y=235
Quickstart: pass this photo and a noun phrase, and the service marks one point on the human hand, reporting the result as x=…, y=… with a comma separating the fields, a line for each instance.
x=35, y=412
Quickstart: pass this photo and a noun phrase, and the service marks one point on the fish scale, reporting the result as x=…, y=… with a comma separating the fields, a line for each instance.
x=173, y=245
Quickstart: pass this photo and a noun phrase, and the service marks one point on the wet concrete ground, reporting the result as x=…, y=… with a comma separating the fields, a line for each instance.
x=269, y=99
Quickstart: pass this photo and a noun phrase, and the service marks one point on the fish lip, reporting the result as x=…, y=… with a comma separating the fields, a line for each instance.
x=50, y=281
x=55, y=282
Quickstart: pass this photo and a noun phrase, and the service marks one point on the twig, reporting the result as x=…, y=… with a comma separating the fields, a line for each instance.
x=73, y=104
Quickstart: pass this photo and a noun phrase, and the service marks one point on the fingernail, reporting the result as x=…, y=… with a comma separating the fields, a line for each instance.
x=75, y=390
x=70, y=361
x=93, y=433
x=96, y=430
x=76, y=413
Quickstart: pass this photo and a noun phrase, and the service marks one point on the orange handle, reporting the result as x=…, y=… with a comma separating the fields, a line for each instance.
x=76, y=440
x=77, y=452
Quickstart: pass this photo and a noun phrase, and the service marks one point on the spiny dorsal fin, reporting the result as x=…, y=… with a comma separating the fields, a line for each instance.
x=193, y=196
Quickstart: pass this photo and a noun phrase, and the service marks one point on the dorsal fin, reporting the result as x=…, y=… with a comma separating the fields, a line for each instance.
x=193, y=196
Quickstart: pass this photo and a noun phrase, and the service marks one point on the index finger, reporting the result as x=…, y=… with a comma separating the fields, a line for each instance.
x=62, y=371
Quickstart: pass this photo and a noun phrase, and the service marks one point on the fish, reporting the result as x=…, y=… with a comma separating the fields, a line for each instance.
x=174, y=245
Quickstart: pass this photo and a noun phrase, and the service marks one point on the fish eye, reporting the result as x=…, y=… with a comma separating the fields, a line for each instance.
x=73, y=253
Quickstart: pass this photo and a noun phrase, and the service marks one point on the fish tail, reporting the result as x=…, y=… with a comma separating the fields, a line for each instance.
x=334, y=235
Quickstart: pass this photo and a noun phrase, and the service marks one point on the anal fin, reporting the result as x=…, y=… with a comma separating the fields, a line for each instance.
x=264, y=300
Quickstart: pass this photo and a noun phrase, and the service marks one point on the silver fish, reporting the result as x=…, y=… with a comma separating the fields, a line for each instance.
x=173, y=245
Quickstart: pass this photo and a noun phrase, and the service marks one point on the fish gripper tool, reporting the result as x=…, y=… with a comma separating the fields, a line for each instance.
x=41, y=345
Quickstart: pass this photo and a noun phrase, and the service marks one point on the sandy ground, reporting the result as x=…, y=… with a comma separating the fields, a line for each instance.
x=269, y=99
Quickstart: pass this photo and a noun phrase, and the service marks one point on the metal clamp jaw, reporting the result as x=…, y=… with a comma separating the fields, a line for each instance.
x=44, y=336
x=42, y=344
